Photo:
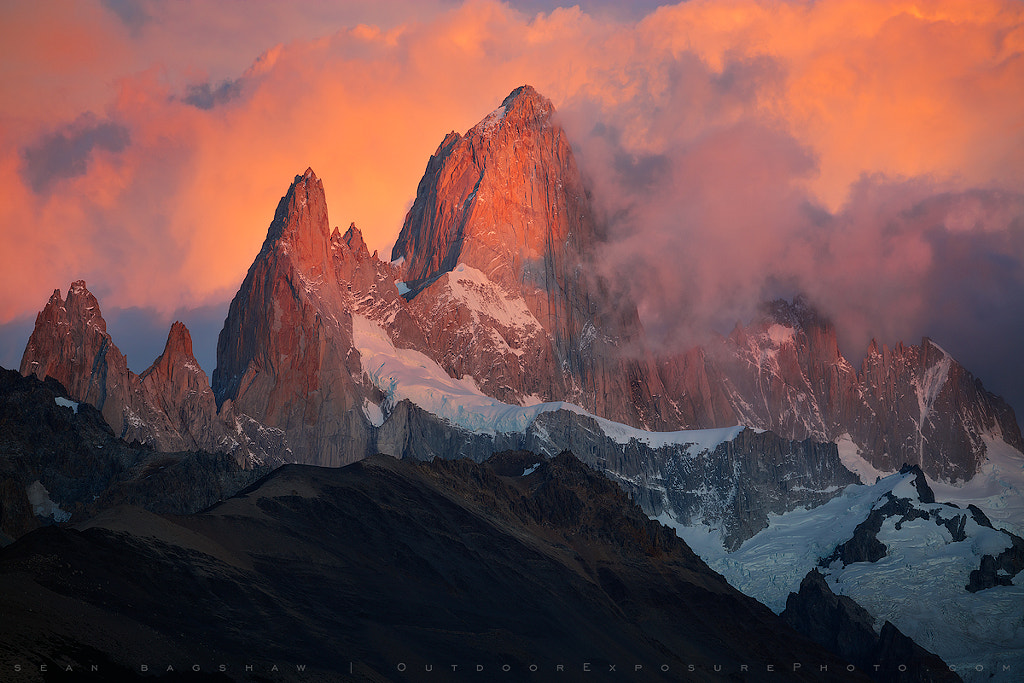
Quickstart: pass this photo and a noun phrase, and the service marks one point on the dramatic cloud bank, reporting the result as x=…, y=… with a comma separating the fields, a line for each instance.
x=868, y=154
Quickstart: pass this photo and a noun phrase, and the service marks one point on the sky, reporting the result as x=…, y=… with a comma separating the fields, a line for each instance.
x=869, y=155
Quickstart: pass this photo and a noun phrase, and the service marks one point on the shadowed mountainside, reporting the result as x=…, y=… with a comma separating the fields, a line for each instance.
x=386, y=562
x=60, y=461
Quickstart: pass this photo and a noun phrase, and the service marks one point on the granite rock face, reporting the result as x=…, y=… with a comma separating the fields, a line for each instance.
x=502, y=237
x=285, y=353
x=733, y=486
x=178, y=388
x=942, y=412
x=169, y=407
x=70, y=343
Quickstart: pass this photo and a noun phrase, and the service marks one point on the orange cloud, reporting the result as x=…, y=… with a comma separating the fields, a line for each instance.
x=817, y=94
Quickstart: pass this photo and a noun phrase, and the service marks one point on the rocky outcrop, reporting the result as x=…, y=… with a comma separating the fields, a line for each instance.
x=285, y=353
x=864, y=545
x=997, y=570
x=61, y=462
x=833, y=621
x=170, y=406
x=839, y=624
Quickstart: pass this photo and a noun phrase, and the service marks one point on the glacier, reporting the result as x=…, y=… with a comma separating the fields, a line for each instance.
x=919, y=585
x=409, y=374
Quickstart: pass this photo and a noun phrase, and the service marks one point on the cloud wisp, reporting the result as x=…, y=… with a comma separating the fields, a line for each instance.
x=66, y=152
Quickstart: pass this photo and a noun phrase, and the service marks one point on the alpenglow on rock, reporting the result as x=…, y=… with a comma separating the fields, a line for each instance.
x=285, y=353
x=494, y=279
x=170, y=406
x=503, y=222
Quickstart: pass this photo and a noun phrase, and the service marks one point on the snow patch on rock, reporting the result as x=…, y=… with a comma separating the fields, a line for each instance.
x=67, y=403
x=43, y=505
x=931, y=384
x=490, y=122
x=780, y=334
x=482, y=297
x=373, y=412
x=852, y=458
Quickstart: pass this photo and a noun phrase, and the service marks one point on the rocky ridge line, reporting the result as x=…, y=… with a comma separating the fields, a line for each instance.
x=170, y=406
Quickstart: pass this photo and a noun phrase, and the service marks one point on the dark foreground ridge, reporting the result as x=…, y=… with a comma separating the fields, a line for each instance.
x=841, y=625
x=385, y=568
x=60, y=461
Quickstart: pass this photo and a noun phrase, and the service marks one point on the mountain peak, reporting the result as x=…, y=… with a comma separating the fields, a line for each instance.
x=300, y=226
x=179, y=341
x=82, y=304
x=177, y=362
x=70, y=343
x=353, y=237
x=304, y=196
x=523, y=107
x=525, y=99
x=924, y=492
x=506, y=199
x=798, y=313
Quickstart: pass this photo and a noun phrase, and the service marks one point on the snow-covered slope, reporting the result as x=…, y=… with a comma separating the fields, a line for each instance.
x=407, y=374
x=997, y=488
x=919, y=584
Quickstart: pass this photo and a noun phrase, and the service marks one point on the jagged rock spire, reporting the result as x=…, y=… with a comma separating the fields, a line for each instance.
x=285, y=352
x=506, y=199
x=70, y=343
x=300, y=228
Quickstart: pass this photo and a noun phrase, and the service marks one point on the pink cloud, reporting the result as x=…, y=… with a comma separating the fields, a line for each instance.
x=766, y=147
